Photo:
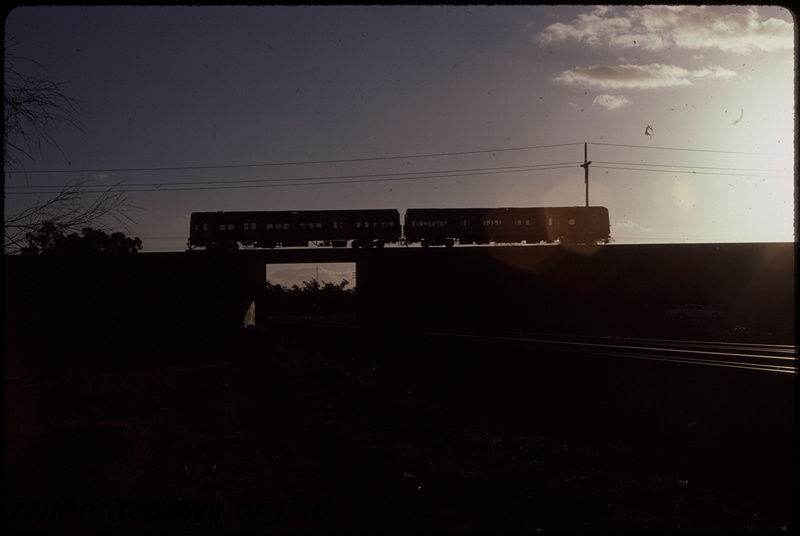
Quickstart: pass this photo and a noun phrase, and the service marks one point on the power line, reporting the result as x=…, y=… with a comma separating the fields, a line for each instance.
x=684, y=167
x=319, y=183
x=683, y=171
x=295, y=163
x=409, y=175
x=350, y=179
x=376, y=159
x=685, y=149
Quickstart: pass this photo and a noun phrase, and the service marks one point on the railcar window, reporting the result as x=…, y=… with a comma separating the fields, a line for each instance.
x=205, y=227
x=571, y=221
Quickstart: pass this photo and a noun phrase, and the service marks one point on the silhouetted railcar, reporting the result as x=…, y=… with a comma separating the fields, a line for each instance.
x=262, y=229
x=449, y=226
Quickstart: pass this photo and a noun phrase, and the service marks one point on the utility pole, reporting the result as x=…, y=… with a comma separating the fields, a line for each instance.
x=585, y=167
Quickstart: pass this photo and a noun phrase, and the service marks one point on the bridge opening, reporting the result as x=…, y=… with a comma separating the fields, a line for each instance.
x=301, y=275
x=323, y=291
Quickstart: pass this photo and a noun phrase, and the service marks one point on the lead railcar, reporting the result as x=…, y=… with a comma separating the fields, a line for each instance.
x=271, y=229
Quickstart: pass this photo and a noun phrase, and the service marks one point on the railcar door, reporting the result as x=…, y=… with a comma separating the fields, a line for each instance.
x=249, y=231
x=466, y=229
x=199, y=233
x=339, y=231
x=275, y=230
x=554, y=227
x=599, y=228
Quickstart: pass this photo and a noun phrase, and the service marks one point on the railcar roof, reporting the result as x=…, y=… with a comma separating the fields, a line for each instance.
x=464, y=209
x=285, y=212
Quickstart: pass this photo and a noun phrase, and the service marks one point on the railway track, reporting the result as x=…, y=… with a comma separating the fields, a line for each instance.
x=776, y=358
x=765, y=357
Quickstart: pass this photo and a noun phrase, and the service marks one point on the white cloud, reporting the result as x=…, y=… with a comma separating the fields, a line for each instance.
x=713, y=71
x=742, y=30
x=611, y=102
x=654, y=75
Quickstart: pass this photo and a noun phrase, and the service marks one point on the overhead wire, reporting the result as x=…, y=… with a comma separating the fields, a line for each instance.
x=330, y=180
x=350, y=179
x=684, y=171
x=295, y=163
x=685, y=149
x=685, y=167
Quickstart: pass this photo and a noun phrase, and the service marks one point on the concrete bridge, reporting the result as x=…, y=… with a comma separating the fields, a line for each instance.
x=608, y=289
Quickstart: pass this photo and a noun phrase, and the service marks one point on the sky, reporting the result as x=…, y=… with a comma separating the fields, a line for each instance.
x=686, y=113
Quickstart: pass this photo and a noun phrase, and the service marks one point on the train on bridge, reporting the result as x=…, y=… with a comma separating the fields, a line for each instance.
x=374, y=228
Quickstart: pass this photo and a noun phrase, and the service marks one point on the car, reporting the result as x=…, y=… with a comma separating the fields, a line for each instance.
x=694, y=311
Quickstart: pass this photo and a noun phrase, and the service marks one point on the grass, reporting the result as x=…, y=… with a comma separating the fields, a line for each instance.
x=323, y=443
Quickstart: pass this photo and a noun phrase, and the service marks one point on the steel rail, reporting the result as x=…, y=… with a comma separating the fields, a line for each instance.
x=674, y=354
x=752, y=356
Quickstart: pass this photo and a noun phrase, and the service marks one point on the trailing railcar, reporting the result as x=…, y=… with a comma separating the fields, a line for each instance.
x=574, y=225
x=265, y=229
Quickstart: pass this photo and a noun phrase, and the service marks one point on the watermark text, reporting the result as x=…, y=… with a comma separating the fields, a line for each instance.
x=153, y=513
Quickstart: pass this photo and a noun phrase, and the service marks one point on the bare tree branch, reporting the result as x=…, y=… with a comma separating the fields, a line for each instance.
x=71, y=210
x=34, y=109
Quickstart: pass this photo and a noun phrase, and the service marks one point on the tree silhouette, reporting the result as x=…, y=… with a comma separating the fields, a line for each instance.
x=312, y=298
x=33, y=109
x=49, y=239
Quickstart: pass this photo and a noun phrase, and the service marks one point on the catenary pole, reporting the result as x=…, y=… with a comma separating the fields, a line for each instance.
x=585, y=167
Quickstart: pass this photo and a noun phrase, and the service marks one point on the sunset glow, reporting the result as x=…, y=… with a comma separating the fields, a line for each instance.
x=686, y=112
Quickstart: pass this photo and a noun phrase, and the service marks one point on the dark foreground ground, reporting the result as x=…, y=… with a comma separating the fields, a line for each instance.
x=291, y=431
